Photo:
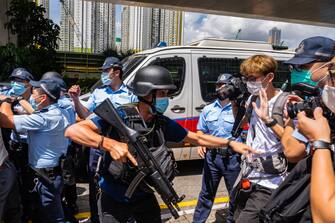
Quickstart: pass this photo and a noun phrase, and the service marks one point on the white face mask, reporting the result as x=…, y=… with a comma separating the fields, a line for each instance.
x=328, y=97
x=254, y=87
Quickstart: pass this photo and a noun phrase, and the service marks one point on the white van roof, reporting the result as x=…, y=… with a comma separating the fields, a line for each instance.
x=219, y=43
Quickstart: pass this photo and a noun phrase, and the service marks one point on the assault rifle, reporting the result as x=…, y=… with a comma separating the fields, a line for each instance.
x=148, y=167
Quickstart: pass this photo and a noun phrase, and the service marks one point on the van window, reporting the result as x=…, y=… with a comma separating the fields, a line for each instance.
x=282, y=74
x=209, y=70
x=176, y=66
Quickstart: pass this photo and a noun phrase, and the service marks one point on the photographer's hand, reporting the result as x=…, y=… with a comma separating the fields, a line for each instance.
x=314, y=129
x=263, y=110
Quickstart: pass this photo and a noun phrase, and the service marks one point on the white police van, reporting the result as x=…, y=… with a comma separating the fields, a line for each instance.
x=195, y=69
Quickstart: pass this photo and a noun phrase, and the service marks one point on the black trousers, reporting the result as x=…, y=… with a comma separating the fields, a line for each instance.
x=248, y=205
x=143, y=210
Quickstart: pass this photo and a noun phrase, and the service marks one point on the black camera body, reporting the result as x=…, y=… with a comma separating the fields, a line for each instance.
x=234, y=90
x=313, y=101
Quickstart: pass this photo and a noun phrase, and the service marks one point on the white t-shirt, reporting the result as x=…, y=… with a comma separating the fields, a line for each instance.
x=3, y=151
x=265, y=141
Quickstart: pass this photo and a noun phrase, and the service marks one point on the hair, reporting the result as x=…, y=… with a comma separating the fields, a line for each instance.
x=260, y=65
x=121, y=71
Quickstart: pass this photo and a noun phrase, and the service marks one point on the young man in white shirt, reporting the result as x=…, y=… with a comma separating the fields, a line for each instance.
x=267, y=169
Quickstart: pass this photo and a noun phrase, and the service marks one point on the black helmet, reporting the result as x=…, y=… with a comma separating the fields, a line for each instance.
x=152, y=78
x=56, y=77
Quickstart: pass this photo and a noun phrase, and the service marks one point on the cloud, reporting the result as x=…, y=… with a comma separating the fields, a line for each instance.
x=198, y=26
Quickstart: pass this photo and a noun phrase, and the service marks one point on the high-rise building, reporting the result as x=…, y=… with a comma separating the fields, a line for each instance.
x=125, y=29
x=143, y=28
x=103, y=35
x=274, y=36
x=87, y=26
x=67, y=26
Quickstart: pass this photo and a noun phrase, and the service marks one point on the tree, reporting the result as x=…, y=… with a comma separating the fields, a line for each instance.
x=33, y=30
x=37, y=39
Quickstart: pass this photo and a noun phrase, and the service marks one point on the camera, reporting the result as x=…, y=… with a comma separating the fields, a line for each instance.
x=310, y=104
x=234, y=90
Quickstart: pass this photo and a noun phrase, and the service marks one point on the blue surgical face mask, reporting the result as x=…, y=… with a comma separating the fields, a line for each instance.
x=33, y=103
x=161, y=104
x=18, y=88
x=302, y=76
x=105, y=78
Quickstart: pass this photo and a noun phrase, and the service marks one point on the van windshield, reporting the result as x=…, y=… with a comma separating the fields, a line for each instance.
x=129, y=64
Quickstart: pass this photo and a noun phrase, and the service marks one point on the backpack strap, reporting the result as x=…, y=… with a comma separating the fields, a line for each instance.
x=278, y=108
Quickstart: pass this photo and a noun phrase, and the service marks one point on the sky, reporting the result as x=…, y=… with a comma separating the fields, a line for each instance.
x=198, y=26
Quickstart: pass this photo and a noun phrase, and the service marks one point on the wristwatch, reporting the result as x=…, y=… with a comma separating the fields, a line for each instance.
x=320, y=144
x=273, y=122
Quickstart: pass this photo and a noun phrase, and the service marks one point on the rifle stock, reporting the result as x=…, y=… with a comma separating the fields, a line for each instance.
x=150, y=168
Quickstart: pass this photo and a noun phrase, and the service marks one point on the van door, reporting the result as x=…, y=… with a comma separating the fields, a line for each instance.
x=180, y=102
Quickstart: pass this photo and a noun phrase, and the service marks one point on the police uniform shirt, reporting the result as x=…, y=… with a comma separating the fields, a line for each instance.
x=66, y=104
x=45, y=135
x=217, y=120
x=262, y=139
x=119, y=97
x=172, y=131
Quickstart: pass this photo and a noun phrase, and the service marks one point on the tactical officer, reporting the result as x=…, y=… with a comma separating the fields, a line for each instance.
x=216, y=119
x=46, y=145
x=114, y=89
x=151, y=84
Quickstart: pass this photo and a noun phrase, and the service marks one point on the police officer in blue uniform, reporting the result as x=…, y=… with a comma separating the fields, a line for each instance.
x=216, y=119
x=151, y=84
x=69, y=195
x=114, y=89
x=47, y=144
x=16, y=142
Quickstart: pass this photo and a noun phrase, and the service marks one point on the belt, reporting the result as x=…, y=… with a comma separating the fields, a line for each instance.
x=49, y=173
x=223, y=151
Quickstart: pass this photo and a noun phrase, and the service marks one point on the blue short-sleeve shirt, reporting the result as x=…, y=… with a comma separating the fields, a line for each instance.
x=46, y=140
x=119, y=97
x=217, y=120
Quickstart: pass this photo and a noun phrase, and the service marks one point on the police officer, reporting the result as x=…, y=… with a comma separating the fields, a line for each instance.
x=151, y=84
x=15, y=141
x=216, y=119
x=69, y=191
x=46, y=145
x=114, y=89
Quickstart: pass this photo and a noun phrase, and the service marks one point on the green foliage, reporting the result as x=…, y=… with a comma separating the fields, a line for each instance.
x=33, y=30
x=36, y=40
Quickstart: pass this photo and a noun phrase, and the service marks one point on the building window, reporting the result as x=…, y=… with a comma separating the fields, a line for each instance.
x=176, y=66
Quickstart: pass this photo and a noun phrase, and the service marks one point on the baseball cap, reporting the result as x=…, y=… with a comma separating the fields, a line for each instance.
x=313, y=49
x=50, y=87
x=111, y=62
x=21, y=73
x=56, y=77
x=224, y=78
